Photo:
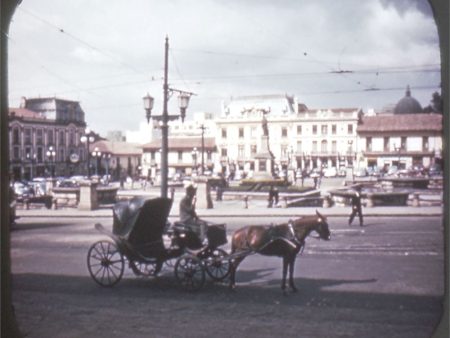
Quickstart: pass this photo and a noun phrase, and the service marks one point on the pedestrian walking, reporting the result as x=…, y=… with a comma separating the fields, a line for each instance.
x=271, y=197
x=356, y=207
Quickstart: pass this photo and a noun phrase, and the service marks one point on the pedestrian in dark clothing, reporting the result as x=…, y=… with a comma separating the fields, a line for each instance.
x=356, y=207
x=271, y=197
x=316, y=185
x=276, y=196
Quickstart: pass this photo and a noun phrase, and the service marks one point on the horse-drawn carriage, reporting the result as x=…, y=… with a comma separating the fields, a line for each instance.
x=137, y=240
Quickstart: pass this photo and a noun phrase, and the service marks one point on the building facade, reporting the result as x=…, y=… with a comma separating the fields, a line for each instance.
x=299, y=138
x=44, y=138
x=404, y=140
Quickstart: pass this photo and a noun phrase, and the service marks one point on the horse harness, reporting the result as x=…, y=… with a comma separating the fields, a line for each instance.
x=291, y=239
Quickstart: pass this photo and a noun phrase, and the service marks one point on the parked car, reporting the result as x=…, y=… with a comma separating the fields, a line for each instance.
x=330, y=172
x=22, y=190
x=67, y=183
x=435, y=170
x=392, y=171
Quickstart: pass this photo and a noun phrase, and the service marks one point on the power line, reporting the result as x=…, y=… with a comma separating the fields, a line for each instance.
x=79, y=40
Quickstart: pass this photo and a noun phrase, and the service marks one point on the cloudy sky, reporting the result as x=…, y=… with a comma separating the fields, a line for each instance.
x=329, y=54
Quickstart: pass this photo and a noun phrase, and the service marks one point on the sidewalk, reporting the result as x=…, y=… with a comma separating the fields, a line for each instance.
x=255, y=209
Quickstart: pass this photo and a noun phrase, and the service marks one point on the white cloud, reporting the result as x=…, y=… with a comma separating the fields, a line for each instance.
x=217, y=50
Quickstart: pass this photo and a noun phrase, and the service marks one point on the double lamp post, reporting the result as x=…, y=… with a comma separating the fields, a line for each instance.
x=183, y=102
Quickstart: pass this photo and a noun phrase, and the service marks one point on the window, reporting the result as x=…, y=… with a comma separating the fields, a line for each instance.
x=27, y=133
x=40, y=154
x=284, y=151
x=314, y=146
x=16, y=153
x=299, y=130
x=425, y=143
x=241, y=151
x=39, y=137
x=50, y=137
x=61, y=138
x=262, y=166
x=180, y=155
x=333, y=129
x=71, y=138
x=386, y=144
x=284, y=132
x=324, y=129
x=369, y=144
x=241, y=132
x=223, y=152
x=324, y=146
x=299, y=146
x=224, y=133
x=253, y=149
x=403, y=143
x=15, y=136
x=152, y=156
x=209, y=155
x=314, y=129
x=350, y=129
x=334, y=147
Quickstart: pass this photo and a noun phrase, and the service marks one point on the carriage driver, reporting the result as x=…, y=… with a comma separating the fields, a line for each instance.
x=188, y=215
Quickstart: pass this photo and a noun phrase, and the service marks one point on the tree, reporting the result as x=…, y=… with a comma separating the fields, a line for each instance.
x=436, y=104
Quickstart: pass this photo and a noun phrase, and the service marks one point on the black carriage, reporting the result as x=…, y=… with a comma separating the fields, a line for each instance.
x=139, y=228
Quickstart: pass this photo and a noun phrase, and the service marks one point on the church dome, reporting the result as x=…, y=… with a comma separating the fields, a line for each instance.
x=408, y=105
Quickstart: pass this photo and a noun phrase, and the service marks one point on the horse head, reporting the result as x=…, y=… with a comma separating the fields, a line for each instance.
x=322, y=227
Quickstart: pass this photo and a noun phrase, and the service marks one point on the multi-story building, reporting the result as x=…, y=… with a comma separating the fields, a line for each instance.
x=186, y=141
x=298, y=137
x=405, y=138
x=116, y=158
x=44, y=138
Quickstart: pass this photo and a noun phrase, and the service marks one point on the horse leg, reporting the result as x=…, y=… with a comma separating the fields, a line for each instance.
x=234, y=265
x=291, y=274
x=283, y=281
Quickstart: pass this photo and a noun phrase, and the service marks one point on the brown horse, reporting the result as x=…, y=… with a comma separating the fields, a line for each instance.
x=284, y=240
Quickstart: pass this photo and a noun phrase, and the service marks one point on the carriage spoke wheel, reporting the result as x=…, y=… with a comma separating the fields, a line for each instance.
x=218, y=265
x=190, y=273
x=105, y=263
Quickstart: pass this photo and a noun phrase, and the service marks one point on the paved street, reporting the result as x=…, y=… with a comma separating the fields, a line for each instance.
x=383, y=280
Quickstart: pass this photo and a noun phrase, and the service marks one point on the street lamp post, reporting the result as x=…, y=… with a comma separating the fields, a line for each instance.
x=202, y=127
x=51, y=153
x=97, y=155
x=183, y=101
x=32, y=159
x=194, y=157
x=107, y=157
x=88, y=139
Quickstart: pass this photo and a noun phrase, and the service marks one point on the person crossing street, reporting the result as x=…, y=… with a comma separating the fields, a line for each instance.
x=356, y=207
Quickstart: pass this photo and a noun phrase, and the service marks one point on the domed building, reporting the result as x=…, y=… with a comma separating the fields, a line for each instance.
x=408, y=105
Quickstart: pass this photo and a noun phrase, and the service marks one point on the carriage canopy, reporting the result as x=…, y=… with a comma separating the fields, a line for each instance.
x=141, y=220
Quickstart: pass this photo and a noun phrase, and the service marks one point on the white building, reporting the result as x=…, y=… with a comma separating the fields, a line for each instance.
x=298, y=137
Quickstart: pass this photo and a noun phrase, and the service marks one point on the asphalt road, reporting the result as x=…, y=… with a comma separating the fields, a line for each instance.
x=383, y=280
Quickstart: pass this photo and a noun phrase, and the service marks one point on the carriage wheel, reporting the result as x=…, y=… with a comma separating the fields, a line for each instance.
x=105, y=263
x=217, y=265
x=143, y=269
x=190, y=273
